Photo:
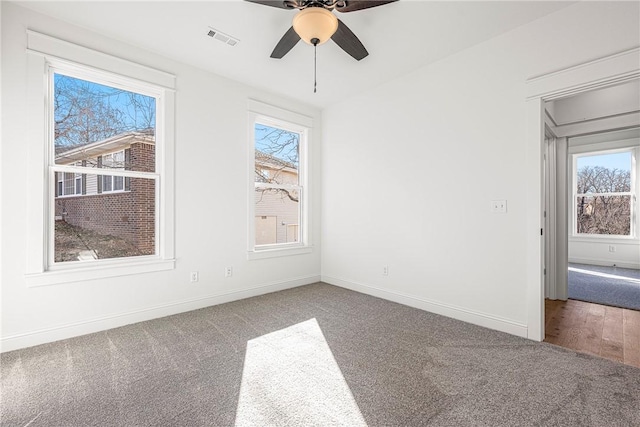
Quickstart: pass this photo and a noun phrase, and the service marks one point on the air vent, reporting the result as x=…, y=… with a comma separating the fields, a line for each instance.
x=224, y=38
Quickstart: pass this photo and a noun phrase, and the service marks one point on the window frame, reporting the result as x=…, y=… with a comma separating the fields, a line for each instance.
x=269, y=115
x=47, y=53
x=613, y=147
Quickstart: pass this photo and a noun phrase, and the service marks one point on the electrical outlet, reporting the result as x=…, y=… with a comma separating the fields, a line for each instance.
x=194, y=276
x=385, y=270
x=228, y=271
x=612, y=248
x=499, y=206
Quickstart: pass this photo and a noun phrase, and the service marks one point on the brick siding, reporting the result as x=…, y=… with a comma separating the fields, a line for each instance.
x=129, y=215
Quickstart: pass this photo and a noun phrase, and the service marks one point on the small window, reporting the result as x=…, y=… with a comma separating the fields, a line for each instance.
x=111, y=183
x=277, y=183
x=278, y=211
x=603, y=193
x=68, y=184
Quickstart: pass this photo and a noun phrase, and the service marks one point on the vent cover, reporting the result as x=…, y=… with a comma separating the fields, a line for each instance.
x=222, y=37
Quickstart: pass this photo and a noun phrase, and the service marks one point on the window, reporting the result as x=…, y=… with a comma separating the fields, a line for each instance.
x=279, y=189
x=112, y=183
x=96, y=127
x=68, y=184
x=108, y=149
x=604, y=193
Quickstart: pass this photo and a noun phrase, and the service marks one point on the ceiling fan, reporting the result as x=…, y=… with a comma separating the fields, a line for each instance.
x=315, y=23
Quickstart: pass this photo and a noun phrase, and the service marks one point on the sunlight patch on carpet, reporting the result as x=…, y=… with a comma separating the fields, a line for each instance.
x=605, y=275
x=290, y=377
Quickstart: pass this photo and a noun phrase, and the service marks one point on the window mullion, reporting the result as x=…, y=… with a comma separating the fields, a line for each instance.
x=268, y=185
x=105, y=171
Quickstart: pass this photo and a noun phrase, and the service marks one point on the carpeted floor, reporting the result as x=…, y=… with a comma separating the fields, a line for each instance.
x=619, y=287
x=314, y=355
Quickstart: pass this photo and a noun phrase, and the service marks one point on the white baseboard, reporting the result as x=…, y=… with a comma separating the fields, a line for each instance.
x=605, y=263
x=57, y=333
x=459, y=313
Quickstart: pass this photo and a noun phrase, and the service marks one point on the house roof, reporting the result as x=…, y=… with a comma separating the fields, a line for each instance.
x=65, y=155
x=273, y=161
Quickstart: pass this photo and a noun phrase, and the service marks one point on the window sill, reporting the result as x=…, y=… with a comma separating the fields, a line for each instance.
x=279, y=252
x=94, y=272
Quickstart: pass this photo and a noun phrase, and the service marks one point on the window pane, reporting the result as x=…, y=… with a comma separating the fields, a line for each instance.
x=118, y=183
x=276, y=211
x=106, y=183
x=78, y=184
x=98, y=225
x=69, y=186
x=277, y=154
x=604, y=215
x=604, y=173
x=96, y=124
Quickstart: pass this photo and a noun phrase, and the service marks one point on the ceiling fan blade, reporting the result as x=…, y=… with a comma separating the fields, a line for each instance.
x=276, y=3
x=353, y=5
x=286, y=43
x=348, y=41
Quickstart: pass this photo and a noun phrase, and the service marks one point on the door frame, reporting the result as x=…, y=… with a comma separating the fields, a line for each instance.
x=603, y=72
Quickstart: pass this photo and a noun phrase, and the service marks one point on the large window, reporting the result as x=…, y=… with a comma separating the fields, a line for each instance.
x=107, y=146
x=603, y=193
x=99, y=129
x=278, y=205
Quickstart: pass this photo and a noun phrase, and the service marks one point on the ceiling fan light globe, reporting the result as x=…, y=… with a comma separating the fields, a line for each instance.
x=315, y=23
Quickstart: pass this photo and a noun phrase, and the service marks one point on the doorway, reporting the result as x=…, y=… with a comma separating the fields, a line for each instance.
x=602, y=73
x=591, y=269
x=591, y=213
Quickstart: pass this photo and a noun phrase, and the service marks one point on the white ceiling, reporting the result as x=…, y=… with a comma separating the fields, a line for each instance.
x=611, y=101
x=400, y=38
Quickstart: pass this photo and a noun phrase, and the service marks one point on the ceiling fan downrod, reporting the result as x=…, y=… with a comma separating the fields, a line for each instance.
x=315, y=42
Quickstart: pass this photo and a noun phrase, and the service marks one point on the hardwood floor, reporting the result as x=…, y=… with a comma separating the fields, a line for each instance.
x=609, y=332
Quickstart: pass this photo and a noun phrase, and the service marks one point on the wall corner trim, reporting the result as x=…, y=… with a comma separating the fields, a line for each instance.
x=458, y=313
x=60, y=332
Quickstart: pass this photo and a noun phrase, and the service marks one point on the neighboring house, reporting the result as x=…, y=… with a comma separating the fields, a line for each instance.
x=108, y=204
x=277, y=211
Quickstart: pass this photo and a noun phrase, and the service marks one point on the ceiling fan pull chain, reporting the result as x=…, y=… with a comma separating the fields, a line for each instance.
x=315, y=66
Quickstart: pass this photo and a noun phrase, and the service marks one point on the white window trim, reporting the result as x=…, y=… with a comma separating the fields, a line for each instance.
x=273, y=116
x=44, y=52
x=626, y=145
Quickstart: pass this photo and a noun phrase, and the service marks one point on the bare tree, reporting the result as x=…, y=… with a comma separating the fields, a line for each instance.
x=277, y=160
x=599, y=209
x=86, y=112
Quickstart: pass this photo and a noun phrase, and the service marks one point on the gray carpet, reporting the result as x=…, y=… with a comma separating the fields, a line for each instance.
x=619, y=287
x=313, y=355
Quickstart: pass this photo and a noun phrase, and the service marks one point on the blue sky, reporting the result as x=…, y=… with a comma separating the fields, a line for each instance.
x=137, y=111
x=263, y=144
x=620, y=161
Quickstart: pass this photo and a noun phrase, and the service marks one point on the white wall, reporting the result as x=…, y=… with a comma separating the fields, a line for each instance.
x=410, y=168
x=210, y=212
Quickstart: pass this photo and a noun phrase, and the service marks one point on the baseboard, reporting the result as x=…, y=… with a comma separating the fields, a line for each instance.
x=605, y=263
x=57, y=333
x=458, y=313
